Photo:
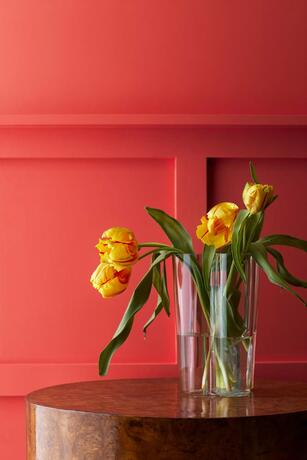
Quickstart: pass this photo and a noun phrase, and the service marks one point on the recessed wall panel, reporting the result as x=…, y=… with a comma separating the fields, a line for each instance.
x=52, y=214
x=282, y=318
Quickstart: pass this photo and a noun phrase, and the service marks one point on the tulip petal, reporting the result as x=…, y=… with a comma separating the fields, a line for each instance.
x=118, y=246
x=121, y=234
x=110, y=281
x=202, y=229
x=216, y=228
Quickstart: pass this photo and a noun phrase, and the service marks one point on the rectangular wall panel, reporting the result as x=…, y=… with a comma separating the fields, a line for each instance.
x=282, y=318
x=52, y=214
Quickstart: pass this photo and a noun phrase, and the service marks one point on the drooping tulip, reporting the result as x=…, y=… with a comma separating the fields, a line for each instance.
x=109, y=281
x=118, y=246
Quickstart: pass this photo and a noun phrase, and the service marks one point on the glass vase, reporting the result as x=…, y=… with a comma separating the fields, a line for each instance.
x=216, y=341
x=192, y=329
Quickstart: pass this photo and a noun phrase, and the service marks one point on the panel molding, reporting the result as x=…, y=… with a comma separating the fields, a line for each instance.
x=134, y=142
x=101, y=119
x=190, y=147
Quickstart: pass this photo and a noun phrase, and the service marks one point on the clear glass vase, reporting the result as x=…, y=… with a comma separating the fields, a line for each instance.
x=216, y=341
x=192, y=329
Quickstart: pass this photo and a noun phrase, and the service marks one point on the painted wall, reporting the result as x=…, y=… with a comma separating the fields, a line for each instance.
x=180, y=56
x=68, y=64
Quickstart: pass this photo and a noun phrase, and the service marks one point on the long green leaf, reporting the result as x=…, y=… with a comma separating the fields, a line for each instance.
x=137, y=301
x=235, y=323
x=166, y=303
x=155, y=313
x=197, y=276
x=253, y=227
x=236, y=245
x=253, y=172
x=282, y=270
x=173, y=229
x=260, y=254
x=160, y=284
x=284, y=240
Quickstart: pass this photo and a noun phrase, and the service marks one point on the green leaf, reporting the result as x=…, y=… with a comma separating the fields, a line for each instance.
x=253, y=227
x=155, y=313
x=173, y=229
x=137, y=301
x=253, y=172
x=284, y=240
x=235, y=323
x=166, y=303
x=207, y=260
x=260, y=254
x=282, y=270
x=139, y=298
x=270, y=202
x=191, y=262
x=237, y=238
x=160, y=284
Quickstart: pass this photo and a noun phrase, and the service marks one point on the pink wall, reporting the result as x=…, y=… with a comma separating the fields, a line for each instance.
x=110, y=106
x=187, y=56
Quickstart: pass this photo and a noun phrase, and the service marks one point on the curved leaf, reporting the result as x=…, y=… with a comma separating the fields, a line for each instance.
x=237, y=239
x=260, y=254
x=284, y=240
x=175, y=231
x=253, y=224
x=155, y=313
x=137, y=301
x=158, y=285
x=191, y=262
x=163, y=302
x=165, y=294
x=253, y=172
x=282, y=270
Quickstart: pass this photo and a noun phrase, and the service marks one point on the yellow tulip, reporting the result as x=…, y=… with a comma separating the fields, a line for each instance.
x=118, y=247
x=216, y=227
x=109, y=281
x=257, y=196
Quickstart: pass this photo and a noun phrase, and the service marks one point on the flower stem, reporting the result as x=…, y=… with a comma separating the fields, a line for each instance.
x=155, y=245
x=147, y=254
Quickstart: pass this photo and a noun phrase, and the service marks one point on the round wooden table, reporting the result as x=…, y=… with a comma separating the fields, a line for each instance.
x=152, y=419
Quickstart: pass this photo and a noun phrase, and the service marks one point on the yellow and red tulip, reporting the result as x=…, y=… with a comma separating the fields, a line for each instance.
x=257, y=196
x=109, y=281
x=216, y=226
x=118, y=246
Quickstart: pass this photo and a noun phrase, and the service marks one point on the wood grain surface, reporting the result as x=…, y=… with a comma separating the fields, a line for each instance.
x=152, y=419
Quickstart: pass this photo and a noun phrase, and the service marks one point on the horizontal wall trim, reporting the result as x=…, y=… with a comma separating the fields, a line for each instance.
x=133, y=142
x=19, y=379
x=150, y=119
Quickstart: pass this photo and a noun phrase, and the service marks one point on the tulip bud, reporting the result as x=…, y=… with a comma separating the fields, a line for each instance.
x=257, y=197
x=216, y=227
x=109, y=281
x=118, y=247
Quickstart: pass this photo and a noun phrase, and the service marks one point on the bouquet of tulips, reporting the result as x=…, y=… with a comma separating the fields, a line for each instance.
x=224, y=229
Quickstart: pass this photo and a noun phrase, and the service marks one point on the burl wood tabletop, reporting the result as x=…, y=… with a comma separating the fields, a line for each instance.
x=153, y=419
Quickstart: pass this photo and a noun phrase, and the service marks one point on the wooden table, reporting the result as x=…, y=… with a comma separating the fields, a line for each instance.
x=152, y=419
